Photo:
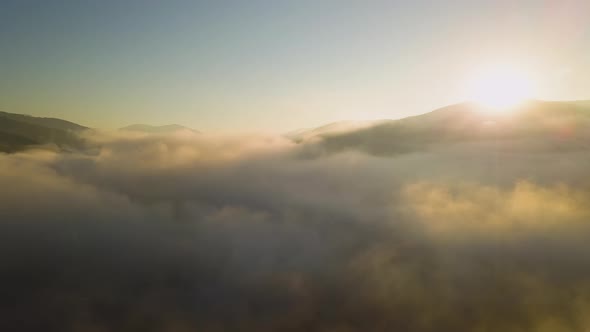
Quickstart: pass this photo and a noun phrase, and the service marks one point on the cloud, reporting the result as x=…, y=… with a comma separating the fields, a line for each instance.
x=474, y=207
x=177, y=233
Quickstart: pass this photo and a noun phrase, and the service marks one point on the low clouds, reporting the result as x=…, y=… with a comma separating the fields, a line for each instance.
x=471, y=207
x=196, y=233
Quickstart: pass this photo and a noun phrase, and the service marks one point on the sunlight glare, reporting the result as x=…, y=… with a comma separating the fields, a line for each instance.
x=501, y=88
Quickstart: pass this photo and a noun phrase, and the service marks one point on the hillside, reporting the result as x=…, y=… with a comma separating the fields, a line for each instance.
x=18, y=132
x=44, y=122
x=534, y=125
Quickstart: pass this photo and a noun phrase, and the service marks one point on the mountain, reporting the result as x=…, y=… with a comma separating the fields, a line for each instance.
x=539, y=125
x=44, y=122
x=166, y=129
x=331, y=128
x=18, y=131
x=12, y=143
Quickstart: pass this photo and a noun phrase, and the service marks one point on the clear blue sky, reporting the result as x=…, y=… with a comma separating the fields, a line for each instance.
x=275, y=65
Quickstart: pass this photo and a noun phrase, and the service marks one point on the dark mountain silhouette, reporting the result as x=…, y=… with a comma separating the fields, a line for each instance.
x=44, y=122
x=165, y=129
x=13, y=143
x=538, y=125
x=18, y=131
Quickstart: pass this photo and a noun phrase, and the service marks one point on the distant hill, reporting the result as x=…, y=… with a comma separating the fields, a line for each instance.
x=166, y=129
x=13, y=143
x=331, y=128
x=44, y=122
x=18, y=131
x=540, y=125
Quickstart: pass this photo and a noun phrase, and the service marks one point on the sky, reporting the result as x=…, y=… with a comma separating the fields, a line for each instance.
x=276, y=65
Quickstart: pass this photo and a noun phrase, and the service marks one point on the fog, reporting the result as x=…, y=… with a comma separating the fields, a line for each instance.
x=200, y=233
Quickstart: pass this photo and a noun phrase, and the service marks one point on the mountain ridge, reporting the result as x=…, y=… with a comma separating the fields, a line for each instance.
x=557, y=124
x=19, y=131
x=158, y=129
x=554, y=123
x=49, y=122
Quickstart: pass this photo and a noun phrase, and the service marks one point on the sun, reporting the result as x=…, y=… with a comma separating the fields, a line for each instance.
x=501, y=87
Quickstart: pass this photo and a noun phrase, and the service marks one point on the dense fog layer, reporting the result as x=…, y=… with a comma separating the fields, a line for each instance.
x=198, y=233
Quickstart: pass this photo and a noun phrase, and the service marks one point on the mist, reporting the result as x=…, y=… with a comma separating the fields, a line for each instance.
x=201, y=233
